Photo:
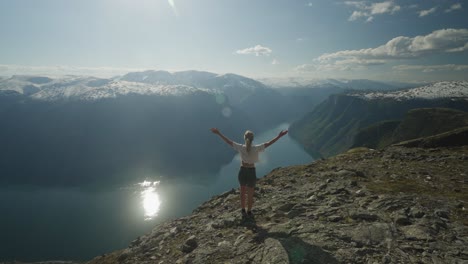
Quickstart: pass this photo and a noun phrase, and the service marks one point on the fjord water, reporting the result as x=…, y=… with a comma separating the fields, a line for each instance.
x=39, y=223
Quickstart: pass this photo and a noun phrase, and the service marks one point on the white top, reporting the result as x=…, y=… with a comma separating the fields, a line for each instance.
x=251, y=156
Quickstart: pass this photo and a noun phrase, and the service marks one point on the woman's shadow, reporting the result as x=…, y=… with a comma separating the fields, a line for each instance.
x=298, y=250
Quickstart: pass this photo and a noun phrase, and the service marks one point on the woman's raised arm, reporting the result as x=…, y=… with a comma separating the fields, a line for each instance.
x=217, y=132
x=282, y=133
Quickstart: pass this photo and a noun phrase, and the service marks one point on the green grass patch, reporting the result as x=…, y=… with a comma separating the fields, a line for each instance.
x=398, y=186
x=420, y=188
x=358, y=150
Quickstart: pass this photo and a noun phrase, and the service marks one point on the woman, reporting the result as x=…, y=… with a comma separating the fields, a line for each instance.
x=249, y=156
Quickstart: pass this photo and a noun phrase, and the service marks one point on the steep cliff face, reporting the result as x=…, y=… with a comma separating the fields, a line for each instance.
x=333, y=125
x=397, y=205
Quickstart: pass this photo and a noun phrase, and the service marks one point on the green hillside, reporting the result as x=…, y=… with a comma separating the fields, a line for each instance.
x=418, y=123
x=427, y=122
x=376, y=136
x=334, y=124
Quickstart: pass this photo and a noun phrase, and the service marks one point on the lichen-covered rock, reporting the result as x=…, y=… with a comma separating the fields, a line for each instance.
x=189, y=245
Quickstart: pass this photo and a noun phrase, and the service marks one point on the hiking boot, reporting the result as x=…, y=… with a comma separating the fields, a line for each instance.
x=244, y=214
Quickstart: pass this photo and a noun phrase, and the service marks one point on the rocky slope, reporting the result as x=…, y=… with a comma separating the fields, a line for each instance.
x=396, y=205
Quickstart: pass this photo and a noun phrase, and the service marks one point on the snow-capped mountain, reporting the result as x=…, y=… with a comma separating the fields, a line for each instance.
x=87, y=88
x=345, y=84
x=236, y=88
x=446, y=89
x=198, y=79
x=261, y=103
x=111, y=89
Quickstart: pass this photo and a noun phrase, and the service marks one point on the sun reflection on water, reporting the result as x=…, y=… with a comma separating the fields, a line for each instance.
x=150, y=199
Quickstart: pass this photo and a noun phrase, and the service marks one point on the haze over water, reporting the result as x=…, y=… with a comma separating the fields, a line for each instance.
x=80, y=223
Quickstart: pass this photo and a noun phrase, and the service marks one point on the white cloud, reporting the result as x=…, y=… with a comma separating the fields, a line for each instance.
x=309, y=4
x=424, y=13
x=384, y=7
x=358, y=14
x=352, y=64
x=370, y=10
x=459, y=49
x=275, y=62
x=362, y=62
x=258, y=50
x=357, y=4
x=305, y=68
x=431, y=68
x=439, y=41
x=453, y=7
x=444, y=40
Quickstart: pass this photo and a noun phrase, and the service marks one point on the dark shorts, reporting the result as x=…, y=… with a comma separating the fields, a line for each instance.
x=247, y=177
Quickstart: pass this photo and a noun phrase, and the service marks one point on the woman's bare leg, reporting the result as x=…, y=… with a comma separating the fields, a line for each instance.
x=250, y=196
x=243, y=193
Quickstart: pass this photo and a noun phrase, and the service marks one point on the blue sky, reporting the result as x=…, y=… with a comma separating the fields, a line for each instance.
x=400, y=40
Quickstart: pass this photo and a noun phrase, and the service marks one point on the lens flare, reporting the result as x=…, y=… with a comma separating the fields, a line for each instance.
x=227, y=111
x=173, y=6
x=220, y=99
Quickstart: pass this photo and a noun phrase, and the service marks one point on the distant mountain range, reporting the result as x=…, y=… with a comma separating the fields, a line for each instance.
x=332, y=126
x=306, y=94
x=76, y=129
x=236, y=88
x=264, y=105
x=265, y=101
x=345, y=84
x=141, y=83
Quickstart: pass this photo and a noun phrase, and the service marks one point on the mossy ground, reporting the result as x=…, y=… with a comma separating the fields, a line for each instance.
x=436, y=173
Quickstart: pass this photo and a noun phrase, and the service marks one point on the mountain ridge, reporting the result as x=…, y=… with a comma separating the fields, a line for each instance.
x=436, y=90
x=332, y=126
x=147, y=82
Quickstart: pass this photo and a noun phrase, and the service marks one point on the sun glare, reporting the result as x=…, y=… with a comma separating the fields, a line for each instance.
x=150, y=199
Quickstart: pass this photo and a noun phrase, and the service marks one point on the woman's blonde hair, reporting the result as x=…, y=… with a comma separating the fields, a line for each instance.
x=248, y=137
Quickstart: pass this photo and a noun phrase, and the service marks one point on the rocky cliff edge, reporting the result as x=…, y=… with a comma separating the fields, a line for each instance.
x=397, y=205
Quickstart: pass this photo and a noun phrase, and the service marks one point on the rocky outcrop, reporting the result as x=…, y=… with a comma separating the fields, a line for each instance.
x=397, y=205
